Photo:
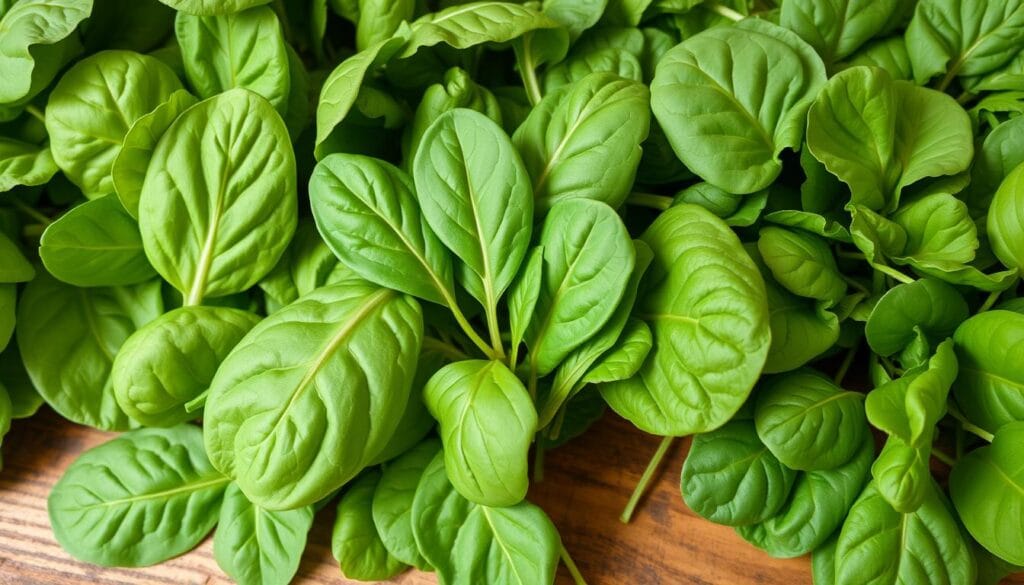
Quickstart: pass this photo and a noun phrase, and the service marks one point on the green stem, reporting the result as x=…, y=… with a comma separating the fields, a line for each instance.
x=531, y=381
x=645, y=479
x=895, y=274
x=528, y=73
x=444, y=348
x=852, y=282
x=969, y=426
x=950, y=76
x=851, y=255
x=20, y=206
x=538, y=463
x=460, y=318
x=577, y=578
x=989, y=301
x=727, y=12
x=659, y=202
x=890, y=368
x=943, y=457
x=495, y=332
x=36, y=113
x=845, y=366
x=964, y=97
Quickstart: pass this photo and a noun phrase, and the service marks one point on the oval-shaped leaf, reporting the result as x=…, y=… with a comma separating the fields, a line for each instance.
x=68, y=338
x=725, y=115
x=256, y=546
x=704, y=301
x=24, y=163
x=470, y=543
x=990, y=385
x=837, y=28
x=731, y=478
x=1005, y=224
x=393, y=498
x=313, y=393
x=808, y=422
x=27, y=24
x=802, y=262
x=96, y=244
x=218, y=206
x=597, y=123
x=469, y=399
x=172, y=360
x=355, y=542
x=94, y=105
x=463, y=26
x=142, y=498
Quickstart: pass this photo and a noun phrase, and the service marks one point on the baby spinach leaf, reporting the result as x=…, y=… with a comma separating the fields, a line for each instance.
x=172, y=360
x=704, y=301
x=990, y=385
x=962, y=38
x=522, y=296
x=1000, y=153
x=257, y=546
x=837, y=28
x=808, y=422
x=923, y=307
x=142, y=498
x=469, y=399
x=597, y=123
x=242, y=49
x=816, y=507
x=416, y=421
x=94, y=105
x=475, y=195
x=379, y=19
x=880, y=136
x=367, y=211
x=801, y=329
x=24, y=163
x=469, y=543
x=987, y=487
x=588, y=260
x=28, y=25
x=625, y=358
x=306, y=265
x=96, y=244
x=889, y=54
x=467, y=25
x=318, y=386
x=210, y=225
x=212, y=7
x=880, y=546
x=131, y=163
x=802, y=262
x=726, y=117
x=68, y=338
x=25, y=400
x=579, y=65
x=939, y=230
x=355, y=542
x=731, y=478
x=14, y=267
x=393, y=498
x=1005, y=226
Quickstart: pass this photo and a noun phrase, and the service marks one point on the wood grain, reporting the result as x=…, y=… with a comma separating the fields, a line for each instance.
x=586, y=484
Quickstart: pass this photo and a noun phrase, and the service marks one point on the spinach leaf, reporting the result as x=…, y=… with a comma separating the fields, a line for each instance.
x=29, y=28
x=989, y=387
x=393, y=499
x=355, y=542
x=1005, y=228
x=142, y=498
x=837, y=28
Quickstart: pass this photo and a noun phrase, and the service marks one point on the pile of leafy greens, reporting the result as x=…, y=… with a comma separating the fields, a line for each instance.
x=385, y=249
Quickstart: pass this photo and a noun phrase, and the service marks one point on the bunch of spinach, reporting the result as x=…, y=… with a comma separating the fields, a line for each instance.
x=383, y=249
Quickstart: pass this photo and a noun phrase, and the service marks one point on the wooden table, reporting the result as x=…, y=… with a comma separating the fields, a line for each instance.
x=586, y=485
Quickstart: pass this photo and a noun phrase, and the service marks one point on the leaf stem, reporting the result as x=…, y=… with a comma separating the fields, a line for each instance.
x=444, y=348
x=528, y=73
x=989, y=301
x=460, y=318
x=851, y=255
x=726, y=12
x=845, y=365
x=645, y=479
x=896, y=274
x=20, y=206
x=658, y=202
x=969, y=426
x=573, y=569
x=890, y=368
x=495, y=332
x=853, y=282
x=936, y=453
x=36, y=113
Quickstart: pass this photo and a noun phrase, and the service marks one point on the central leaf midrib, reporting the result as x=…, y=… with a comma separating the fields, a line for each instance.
x=188, y=487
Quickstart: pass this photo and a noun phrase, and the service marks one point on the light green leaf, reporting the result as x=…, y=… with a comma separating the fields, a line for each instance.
x=939, y=229
x=625, y=358
x=393, y=499
x=837, y=28
x=94, y=105
x=172, y=360
x=212, y=7
x=808, y=422
x=990, y=385
x=367, y=211
x=469, y=399
x=596, y=123
x=27, y=25
x=889, y=54
x=24, y=163
x=140, y=499
x=522, y=295
x=256, y=546
x=588, y=260
x=355, y=542
x=802, y=262
x=95, y=244
x=313, y=393
x=466, y=25
x=244, y=49
x=704, y=300
x=379, y=19
x=68, y=338
x=210, y=226
x=14, y=267
x=1005, y=223
x=726, y=116
x=933, y=307
x=470, y=543
x=880, y=136
x=131, y=163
